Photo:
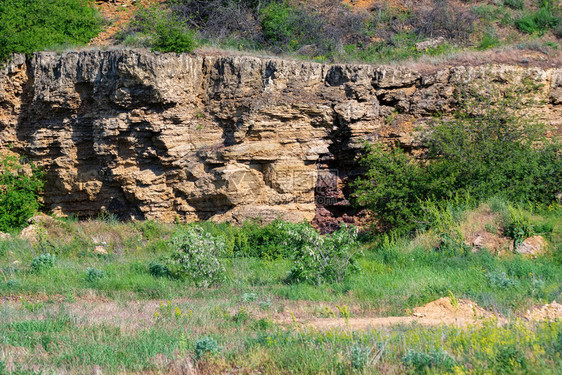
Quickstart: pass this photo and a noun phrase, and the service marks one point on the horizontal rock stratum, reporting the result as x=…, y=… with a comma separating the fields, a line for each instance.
x=188, y=137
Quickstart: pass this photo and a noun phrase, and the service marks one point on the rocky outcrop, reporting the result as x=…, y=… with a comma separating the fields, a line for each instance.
x=166, y=137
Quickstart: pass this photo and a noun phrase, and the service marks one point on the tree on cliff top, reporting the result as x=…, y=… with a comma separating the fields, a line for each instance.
x=31, y=25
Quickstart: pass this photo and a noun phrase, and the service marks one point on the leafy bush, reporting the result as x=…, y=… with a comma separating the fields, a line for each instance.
x=27, y=26
x=158, y=269
x=269, y=241
x=286, y=25
x=93, y=274
x=160, y=29
x=20, y=185
x=43, y=262
x=206, y=346
x=319, y=259
x=196, y=255
x=173, y=38
x=488, y=149
x=519, y=228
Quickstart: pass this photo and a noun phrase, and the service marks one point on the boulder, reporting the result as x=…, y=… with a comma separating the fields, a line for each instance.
x=532, y=246
x=29, y=233
x=100, y=250
x=430, y=43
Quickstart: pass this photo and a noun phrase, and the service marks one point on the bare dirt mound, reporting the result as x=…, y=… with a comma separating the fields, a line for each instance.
x=550, y=311
x=451, y=311
x=446, y=311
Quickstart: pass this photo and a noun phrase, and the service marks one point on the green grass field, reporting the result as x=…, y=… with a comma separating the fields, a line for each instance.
x=108, y=312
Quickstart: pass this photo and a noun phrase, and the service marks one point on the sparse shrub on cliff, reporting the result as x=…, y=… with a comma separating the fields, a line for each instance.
x=196, y=256
x=27, y=26
x=20, y=184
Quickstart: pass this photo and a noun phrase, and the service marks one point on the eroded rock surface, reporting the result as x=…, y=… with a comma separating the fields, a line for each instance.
x=168, y=137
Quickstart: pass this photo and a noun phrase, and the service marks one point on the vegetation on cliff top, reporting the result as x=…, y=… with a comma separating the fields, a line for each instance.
x=322, y=30
x=332, y=30
x=27, y=26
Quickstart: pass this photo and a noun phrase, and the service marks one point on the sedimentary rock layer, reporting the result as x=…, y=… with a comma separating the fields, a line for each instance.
x=167, y=137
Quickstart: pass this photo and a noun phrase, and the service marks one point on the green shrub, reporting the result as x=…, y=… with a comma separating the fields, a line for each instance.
x=20, y=185
x=195, y=256
x=158, y=269
x=173, y=38
x=488, y=149
x=93, y=274
x=269, y=241
x=206, y=346
x=519, y=228
x=539, y=22
x=43, y=262
x=319, y=259
x=160, y=29
x=558, y=343
x=278, y=22
x=31, y=25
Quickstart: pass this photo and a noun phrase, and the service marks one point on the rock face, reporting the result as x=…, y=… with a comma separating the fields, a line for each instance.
x=185, y=137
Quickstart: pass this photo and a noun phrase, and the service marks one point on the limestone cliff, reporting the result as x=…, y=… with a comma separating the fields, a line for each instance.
x=170, y=136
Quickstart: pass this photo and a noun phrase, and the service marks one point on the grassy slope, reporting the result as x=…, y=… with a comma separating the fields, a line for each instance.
x=69, y=322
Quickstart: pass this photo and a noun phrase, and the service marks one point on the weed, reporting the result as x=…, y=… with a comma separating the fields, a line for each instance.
x=514, y=4
x=43, y=262
x=32, y=306
x=242, y=316
x=359, y=356
x=320, y=259
x=94, y=274
x=500, y=280
x=249, y=297
x=421, y=361
x=206, y=346
x=509, y=360
x=344, y=312
x=453, y=299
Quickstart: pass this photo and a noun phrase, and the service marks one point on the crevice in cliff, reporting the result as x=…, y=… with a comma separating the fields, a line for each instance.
x=332, y=191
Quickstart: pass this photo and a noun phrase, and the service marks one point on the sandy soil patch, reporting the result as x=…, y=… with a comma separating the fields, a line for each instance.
x=550, y=311
x=442, y=311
